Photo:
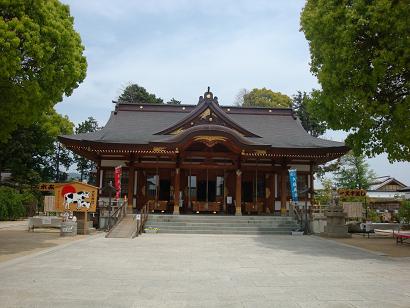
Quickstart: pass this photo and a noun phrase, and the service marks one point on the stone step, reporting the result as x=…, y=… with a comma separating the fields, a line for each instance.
x=255, y=228
x=220, y=224
x=212, y=220
x=204, y=216
x=247, y=232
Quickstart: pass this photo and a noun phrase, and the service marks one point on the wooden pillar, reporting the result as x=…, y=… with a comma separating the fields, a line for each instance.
x=141, y=182
x=311, y=182
x=271, y=199
x=131, y=179
x=238, y=193
x=98, y=179
x=176, y=191
x=283, y=190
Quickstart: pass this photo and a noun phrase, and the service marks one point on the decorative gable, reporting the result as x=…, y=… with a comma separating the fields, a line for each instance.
x=207, y=112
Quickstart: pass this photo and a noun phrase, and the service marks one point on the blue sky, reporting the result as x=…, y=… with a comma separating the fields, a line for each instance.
x=178, y=48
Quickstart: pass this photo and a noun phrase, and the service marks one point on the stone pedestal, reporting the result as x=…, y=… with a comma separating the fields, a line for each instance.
x=335, y=223
x=84, y=227
x=68, y=228
x=318, y=223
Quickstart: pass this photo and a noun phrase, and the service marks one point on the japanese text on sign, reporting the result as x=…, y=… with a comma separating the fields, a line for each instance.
x=293, y=185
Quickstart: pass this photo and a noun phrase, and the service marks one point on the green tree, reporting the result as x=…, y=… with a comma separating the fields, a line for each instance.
x=266, y=98
x=33, y=152
x=354, y=172
x=404, y=211
x=360, y=55
x=41, y=60
x=84, y=165
x=137, y=94
x=309, y=121
x=323, y=196
x=173, y=101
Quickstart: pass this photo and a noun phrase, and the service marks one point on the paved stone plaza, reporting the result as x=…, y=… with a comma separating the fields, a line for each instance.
x=161, y=270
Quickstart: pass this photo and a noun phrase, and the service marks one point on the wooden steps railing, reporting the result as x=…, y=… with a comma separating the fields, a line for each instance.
x=140, y=223
x=116, y=216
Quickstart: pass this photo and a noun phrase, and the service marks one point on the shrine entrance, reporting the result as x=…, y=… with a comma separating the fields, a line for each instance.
x=204, y=192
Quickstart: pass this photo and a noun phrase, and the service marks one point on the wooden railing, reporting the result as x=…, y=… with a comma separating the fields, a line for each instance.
x=140, y=223
x=297, y=214
x=116, y=215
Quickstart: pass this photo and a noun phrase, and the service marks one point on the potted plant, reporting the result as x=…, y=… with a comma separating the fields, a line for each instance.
x=151, y=230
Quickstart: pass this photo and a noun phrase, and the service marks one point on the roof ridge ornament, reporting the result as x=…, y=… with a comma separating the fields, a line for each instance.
x=208, y=97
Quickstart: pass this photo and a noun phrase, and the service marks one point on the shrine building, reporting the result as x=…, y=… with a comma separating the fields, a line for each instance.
x=204, y=158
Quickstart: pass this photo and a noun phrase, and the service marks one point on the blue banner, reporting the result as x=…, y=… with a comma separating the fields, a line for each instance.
x=293, y=180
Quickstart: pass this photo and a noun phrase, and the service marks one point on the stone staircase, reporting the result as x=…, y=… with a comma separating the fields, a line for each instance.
x=124, y=229
x=213, y=224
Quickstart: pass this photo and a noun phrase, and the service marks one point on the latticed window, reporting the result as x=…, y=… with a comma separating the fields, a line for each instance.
x=260, y=187
x=192, y=186
x=219, y=186
x=108, y=176
x=152, y=182
x=124, y=182
x=302, y=183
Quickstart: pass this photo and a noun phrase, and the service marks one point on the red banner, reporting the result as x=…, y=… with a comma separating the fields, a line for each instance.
x=117, y=182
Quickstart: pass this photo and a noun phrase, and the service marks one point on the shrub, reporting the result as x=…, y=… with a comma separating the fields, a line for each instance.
x=11, y=204
x=373, y=216
x=404, y=211
x=30, y=202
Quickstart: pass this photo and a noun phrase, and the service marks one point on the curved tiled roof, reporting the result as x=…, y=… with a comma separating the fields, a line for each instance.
x=140, y=127
x=142, y=124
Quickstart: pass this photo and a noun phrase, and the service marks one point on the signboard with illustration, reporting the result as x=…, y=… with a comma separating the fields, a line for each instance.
x=75, y=196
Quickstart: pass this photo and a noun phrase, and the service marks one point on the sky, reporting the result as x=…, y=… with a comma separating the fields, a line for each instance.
x=177, y=48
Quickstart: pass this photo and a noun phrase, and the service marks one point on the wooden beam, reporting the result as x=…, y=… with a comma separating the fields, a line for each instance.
x=261, y=168
x=207, y=154
x=207, y=166
x=152, y=165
